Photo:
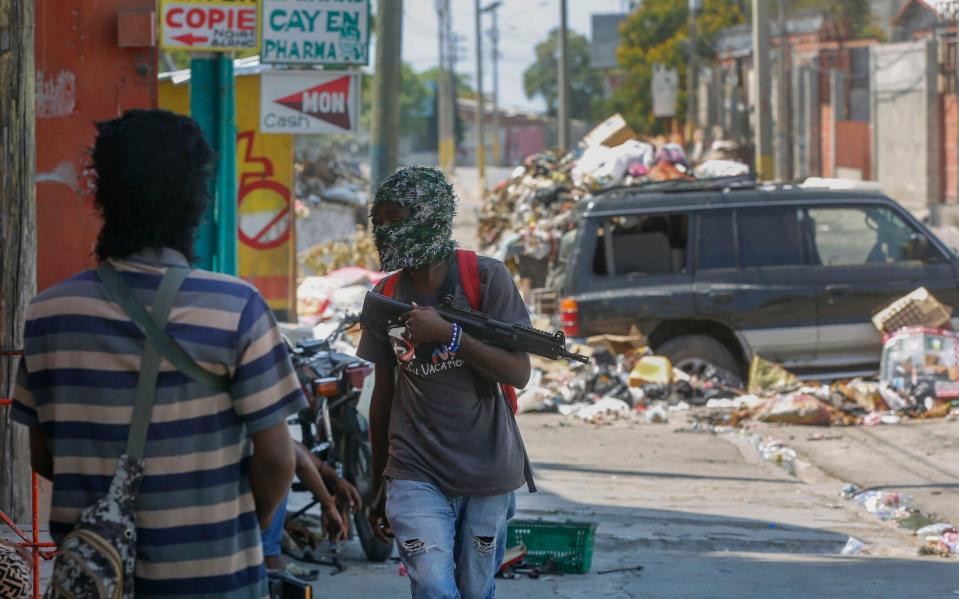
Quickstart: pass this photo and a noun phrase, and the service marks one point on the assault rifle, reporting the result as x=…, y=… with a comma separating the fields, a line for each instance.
x=381, y=313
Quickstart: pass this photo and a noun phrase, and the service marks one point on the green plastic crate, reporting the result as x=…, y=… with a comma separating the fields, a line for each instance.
x=567, y=546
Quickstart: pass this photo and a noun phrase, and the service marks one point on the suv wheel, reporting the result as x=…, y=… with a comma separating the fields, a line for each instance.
x=697, y=354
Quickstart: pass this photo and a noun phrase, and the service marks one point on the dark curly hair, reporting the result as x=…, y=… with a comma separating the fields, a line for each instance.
x=152, y=172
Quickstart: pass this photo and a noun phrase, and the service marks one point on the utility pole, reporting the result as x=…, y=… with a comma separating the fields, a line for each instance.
x=452, y=117
x=18, y=237
x=442, y=88
x=563, y=86
x=763, y=133
x=480, y=105
x=784, y=147
x=494, y=42
x=386, y=90
x=692, y=74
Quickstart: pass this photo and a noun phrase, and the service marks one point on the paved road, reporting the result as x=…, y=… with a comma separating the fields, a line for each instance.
x=703, y=514
x=467, y=188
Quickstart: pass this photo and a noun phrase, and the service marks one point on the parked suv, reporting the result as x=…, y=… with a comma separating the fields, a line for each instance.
x=716, y=272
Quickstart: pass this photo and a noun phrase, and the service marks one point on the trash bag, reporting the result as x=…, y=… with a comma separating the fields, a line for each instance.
x=795, y=408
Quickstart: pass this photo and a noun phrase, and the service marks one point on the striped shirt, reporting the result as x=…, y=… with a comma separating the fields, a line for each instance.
x=197, y=532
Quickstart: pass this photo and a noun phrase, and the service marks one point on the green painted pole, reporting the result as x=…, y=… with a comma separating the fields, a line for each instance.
x=226, y=185
x=202, y=109
x=213, y=106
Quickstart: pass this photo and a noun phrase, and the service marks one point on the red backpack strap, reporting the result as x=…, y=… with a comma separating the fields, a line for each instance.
x=389, y=284
x=510, y=393
x=469, y=277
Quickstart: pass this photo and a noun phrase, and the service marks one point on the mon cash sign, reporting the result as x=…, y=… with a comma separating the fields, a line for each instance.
x=330, y=32
x=309, y=102
x=209, y=25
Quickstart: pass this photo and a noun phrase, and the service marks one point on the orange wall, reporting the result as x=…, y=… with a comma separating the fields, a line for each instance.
x=83, y=76
x=853, y=146
x=950, y=177
x=825, y=127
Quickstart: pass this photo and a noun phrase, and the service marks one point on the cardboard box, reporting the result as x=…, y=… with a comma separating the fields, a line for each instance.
x=918, y=309
x=611, y=132
x=619, y=344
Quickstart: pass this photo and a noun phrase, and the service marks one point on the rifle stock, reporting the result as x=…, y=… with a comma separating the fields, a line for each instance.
x=381, y=313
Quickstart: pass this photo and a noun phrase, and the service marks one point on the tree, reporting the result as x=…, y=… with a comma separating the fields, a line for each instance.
x=857, y=14
x=586, y=83
x=415, y=98
x=18, y=237
x=657, y=33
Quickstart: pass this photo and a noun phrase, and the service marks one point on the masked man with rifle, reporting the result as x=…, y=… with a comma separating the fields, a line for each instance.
x=447, y=452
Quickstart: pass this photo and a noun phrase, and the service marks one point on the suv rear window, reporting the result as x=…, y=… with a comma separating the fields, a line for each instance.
x=865, y=235
x=769, y=237
x=653, y=244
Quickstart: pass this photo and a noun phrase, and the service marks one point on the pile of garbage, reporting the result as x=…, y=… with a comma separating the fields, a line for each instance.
x=919, y=379
x=623, y=380
x=357, y=251
x=327, y=179
x=325, y=298
x=526, y=215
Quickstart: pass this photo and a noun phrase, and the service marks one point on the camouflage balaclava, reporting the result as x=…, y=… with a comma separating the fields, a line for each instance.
x=427, y=235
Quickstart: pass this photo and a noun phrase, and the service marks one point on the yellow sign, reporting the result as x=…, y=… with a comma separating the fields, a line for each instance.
x=265, y=218
x=209, y=25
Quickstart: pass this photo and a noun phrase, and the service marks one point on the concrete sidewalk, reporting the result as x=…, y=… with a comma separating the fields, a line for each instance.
x=919, y=458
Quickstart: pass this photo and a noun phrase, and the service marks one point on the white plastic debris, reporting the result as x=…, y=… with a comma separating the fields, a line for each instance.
x=853, y=547
x=608, y=408
x=656, y=415
x=712, y=169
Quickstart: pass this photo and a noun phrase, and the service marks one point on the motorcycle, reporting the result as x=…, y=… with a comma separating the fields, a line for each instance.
x=335, y=426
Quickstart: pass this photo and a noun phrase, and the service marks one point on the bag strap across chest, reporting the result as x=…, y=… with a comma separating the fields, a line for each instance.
x=158, y=343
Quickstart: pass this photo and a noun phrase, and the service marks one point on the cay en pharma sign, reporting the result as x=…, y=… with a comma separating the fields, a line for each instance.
x=329, y=32
x=309, y=102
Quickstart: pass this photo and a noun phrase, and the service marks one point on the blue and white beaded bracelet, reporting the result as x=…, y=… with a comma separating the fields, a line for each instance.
x=454, y=344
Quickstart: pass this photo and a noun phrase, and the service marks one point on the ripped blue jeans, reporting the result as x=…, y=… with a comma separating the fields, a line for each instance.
x=451, y=546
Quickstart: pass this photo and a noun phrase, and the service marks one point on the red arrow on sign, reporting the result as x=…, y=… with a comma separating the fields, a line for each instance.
x=190, y=39
x=328, y=102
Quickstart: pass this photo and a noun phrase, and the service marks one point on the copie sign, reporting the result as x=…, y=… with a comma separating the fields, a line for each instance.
x=308, y=102
x=209, y=25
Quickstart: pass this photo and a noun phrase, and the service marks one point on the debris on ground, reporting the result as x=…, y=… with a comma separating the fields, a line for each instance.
x=775, y=451
x=919, y=367
x=918, y=379
x=938, y=538
x=853, y=547
x=320, y=298
x=794, y=408
x=327, y=179
x=917, y=309
x=357, y=251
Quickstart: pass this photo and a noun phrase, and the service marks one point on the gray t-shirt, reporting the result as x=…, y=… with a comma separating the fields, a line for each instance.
x=446, y=426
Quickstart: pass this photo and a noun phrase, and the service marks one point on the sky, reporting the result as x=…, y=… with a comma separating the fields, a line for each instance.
x=522, y=23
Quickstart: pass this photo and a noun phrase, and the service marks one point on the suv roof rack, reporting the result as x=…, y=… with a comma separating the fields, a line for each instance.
x=684, y=185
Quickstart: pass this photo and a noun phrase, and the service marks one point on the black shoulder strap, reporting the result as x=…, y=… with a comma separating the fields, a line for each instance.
x=164, y=344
